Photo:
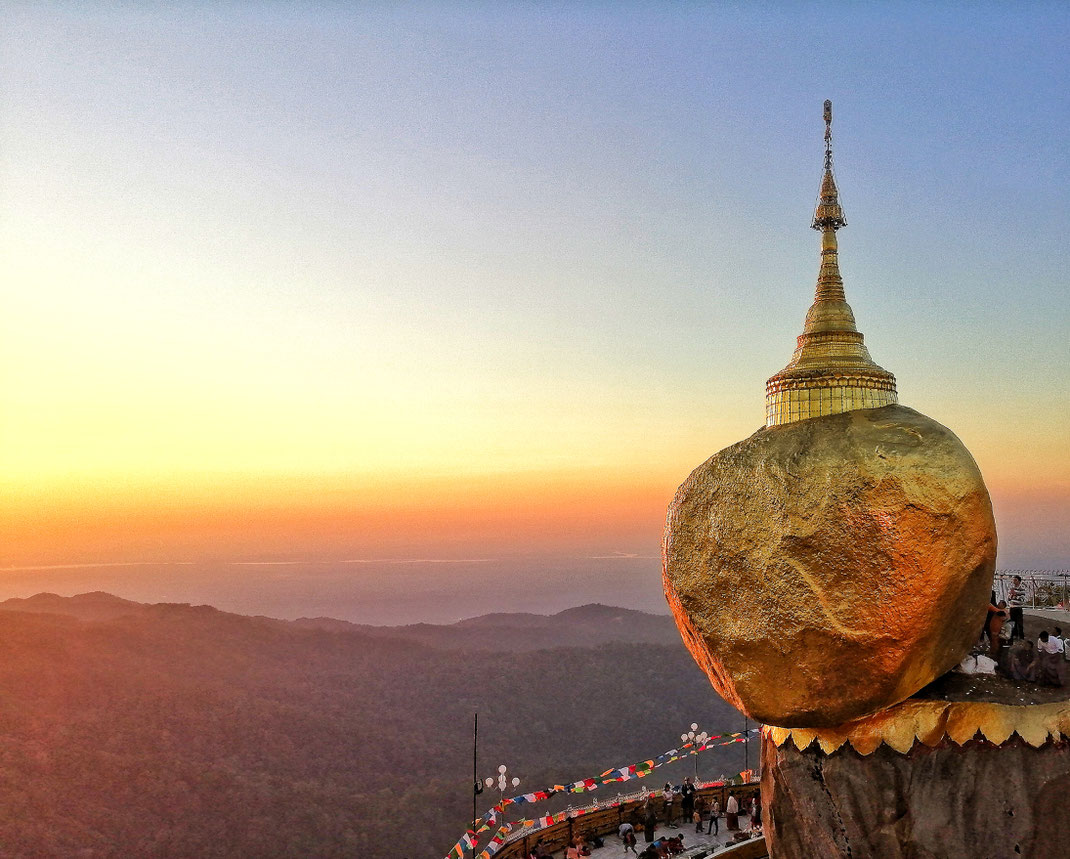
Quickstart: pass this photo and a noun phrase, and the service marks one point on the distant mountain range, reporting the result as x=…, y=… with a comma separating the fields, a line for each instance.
x=178, y=730
x=92, y=606
x=583, y=626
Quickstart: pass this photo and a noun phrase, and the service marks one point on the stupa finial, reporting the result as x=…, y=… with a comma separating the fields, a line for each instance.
x=828, y=133
x=829, y=214
x=831, y=370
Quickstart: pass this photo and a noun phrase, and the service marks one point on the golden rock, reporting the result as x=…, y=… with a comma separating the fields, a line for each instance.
x=824, y=569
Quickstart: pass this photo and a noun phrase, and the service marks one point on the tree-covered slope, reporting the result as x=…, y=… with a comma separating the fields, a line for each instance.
x=186, y=731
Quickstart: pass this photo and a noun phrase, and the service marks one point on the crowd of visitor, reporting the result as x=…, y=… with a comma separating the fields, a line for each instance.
x=1003, y=637
x=741, y=817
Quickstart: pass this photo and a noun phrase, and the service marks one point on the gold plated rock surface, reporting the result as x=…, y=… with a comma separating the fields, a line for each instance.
x=823, y=570
x=933, y=722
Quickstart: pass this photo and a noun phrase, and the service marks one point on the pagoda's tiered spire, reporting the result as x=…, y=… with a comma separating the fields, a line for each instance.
x=831, y=370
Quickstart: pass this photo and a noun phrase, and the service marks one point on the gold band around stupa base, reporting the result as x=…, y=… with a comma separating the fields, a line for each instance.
x=788, y=400
x=933, y=722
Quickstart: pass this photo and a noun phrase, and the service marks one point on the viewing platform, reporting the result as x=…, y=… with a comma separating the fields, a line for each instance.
x=604, y=818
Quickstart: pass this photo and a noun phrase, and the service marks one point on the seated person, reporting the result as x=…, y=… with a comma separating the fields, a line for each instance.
x=1048, y=664
x=1021, y=661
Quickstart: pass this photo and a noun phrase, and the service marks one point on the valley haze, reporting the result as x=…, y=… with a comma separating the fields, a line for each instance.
x=369, y=591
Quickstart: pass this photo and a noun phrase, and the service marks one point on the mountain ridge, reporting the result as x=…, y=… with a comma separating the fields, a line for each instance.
x=586, y=625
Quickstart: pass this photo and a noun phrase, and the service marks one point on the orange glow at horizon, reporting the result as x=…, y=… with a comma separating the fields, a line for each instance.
x=266, y=518
x=336, y=518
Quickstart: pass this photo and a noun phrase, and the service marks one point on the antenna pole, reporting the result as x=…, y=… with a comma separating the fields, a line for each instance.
x=475, y=777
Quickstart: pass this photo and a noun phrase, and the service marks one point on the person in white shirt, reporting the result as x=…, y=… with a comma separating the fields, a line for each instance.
x=1049, y=643
x=731, y=813
x=1047, y=664
x=1059, y=638
x=668, y=795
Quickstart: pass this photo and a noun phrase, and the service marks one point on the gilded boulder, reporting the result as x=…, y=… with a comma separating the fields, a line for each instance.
x=825, y=569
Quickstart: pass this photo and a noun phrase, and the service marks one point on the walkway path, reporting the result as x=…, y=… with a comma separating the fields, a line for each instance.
x=692, y=839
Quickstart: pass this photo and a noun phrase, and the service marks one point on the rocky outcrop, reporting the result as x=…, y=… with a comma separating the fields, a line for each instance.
x=829, y=568
x=977, y=800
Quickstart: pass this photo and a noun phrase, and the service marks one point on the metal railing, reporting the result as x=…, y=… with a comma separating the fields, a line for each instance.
x=622, y=800
x=604, y=817
x=1047, y=589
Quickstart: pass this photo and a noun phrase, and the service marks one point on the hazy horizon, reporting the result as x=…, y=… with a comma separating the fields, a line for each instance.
x=391, y=592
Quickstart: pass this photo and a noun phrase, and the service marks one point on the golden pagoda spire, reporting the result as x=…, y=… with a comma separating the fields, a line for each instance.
x=831, y=370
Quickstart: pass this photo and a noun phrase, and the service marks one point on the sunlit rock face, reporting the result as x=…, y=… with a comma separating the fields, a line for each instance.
x=824, y=569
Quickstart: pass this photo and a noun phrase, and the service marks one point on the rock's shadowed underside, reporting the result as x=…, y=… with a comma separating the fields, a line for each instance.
x=978, y=800
x=826, y=569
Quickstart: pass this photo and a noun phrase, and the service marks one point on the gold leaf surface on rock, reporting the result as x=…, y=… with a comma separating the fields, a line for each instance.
x=826, y=569
x=931, y=722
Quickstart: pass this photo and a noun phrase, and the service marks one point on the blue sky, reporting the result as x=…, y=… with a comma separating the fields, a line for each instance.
x=387, y=240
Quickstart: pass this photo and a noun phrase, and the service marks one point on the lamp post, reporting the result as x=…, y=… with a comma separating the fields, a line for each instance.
x=698, y=739
x=746, y=744
x=501, y=782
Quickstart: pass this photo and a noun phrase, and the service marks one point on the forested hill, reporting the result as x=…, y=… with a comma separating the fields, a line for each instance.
x=175, y=730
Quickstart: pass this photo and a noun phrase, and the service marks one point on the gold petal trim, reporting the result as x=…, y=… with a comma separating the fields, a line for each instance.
x=931, y=722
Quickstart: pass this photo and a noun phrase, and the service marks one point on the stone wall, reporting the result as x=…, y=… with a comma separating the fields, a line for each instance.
x=975, y=801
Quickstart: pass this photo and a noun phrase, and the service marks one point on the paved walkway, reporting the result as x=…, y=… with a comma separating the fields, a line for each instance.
x=1058, y=615
x=692, y=840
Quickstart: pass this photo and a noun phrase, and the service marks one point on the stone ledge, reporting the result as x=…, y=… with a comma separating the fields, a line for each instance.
x=933, y=722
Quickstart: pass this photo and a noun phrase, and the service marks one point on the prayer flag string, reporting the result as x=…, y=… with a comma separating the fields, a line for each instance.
x=640, y=770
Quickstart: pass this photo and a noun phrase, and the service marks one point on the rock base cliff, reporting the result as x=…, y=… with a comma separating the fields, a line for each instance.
x=979, y=800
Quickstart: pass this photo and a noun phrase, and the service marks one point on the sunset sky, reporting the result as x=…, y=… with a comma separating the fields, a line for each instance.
x=481, y=281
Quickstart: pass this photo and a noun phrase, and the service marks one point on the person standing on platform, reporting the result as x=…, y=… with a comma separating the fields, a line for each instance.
x=997, y=616
x=700, y=811
x=731, y=813
x=715, y=814
x=650, y=819
x=1016, y=599
x=687, y=799
x=667, y=796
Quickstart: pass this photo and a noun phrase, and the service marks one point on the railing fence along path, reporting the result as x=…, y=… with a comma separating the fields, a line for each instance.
x=604, y=818
x=1047, y=588
x=509, y=832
